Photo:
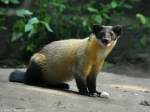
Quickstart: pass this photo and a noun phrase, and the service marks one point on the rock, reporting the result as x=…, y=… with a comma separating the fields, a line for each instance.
x=145, y=103
x=146, y=91
x=104, y=95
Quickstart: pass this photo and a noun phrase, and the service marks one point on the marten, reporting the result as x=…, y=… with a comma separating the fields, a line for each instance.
x=81, y=59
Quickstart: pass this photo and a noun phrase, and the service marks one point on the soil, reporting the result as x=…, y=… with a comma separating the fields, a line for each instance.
x=127, y=94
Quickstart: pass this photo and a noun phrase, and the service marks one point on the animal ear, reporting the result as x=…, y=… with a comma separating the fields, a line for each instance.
x=117, y=30
x=96, y=28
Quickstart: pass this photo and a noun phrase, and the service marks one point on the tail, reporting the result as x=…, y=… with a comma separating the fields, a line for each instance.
x=17, y=76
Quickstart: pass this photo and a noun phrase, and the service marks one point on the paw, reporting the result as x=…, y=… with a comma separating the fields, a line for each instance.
x=85, y=93
x=95, y=94
x=100, y=94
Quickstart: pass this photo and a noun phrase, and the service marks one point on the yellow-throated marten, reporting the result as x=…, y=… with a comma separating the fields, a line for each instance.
x=63, y=60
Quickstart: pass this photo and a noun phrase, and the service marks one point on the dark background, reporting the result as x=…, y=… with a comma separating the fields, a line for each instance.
x=27, y=25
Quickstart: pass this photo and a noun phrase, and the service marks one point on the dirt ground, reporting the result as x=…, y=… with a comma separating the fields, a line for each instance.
x=127, y=94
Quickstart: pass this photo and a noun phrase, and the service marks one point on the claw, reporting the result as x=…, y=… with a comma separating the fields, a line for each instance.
x=98, y=93
x=95, y=94
x=84, y=93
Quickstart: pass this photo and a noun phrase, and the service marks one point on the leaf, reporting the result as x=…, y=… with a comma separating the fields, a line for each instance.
x=84, y=22
x=47, y=18
x=60, y=6
x=15, y=1
x=114, y=4
x=29, y=26
x=105, y=15
x=1, y=13
x=127, y=6
x=5, y=1
x=33, y=20
x=144, y=41
x=30, y=47
x=97, y=18
x=23, y=12
x=91, y=9
x=46, y=26
x=19, y=26
x=16, y=36
x=3, y=28
x=141, y=17
x=33, y=31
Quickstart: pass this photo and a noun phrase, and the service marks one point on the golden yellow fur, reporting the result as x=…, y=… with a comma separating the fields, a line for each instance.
x=61, y=59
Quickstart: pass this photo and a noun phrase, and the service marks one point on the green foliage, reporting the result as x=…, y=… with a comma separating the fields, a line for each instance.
x=23, y=12
x=144, y=41
x=10, y=1
x=31, y=27
x=67, y=18
x=81, y=17
x=144, y=20
x=141, y=18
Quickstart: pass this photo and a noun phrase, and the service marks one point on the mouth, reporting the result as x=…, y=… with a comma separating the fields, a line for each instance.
x=106, y=43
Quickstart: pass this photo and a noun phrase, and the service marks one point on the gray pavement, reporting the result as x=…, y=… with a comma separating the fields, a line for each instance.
x=126, y=95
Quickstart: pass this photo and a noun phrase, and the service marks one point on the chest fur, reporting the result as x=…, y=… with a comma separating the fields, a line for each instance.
x=97, y=52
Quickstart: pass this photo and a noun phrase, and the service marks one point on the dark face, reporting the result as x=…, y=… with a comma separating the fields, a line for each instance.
x=107, y=34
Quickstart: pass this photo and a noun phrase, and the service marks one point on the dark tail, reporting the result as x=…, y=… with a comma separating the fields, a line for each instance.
x=17, y=76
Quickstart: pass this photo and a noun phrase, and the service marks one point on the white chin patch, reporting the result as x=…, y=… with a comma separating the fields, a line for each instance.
x=108, y=45
x=104, y=45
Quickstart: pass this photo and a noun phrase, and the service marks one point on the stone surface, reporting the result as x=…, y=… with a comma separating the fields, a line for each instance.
x=125, y=95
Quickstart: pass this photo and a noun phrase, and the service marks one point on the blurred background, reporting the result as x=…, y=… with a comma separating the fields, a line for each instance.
x=27, y=25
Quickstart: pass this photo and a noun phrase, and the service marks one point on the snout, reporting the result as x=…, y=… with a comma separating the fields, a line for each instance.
x=105, y=41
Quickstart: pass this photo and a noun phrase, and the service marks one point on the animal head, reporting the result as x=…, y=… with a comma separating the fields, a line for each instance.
x=106, y=35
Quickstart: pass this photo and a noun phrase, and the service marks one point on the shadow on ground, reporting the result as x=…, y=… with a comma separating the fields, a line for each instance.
x=127, y=94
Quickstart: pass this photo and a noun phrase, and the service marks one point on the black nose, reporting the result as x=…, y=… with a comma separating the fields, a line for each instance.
x=105, y=41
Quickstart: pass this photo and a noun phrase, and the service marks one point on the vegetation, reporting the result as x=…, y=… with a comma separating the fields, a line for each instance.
x=39, y=22
x=67, y=18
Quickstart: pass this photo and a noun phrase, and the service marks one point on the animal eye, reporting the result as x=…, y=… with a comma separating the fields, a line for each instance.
x=100, y=34
x=111, y=34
